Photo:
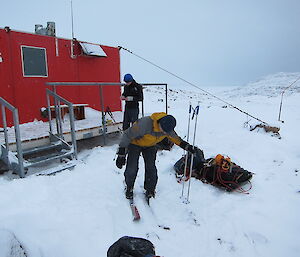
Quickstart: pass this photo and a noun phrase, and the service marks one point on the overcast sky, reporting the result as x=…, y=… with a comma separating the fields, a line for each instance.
x=207, y=42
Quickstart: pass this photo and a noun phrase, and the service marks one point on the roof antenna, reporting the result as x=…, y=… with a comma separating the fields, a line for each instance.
x=73, y=39
x=72, y=17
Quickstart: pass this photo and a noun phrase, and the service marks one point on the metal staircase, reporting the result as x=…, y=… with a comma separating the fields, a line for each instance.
x=56, y=150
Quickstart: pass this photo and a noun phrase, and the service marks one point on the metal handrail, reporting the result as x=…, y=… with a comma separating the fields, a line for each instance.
x=59, y=99
x=100, y=84
x=14, y=110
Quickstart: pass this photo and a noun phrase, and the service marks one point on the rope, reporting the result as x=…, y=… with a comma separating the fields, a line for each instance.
x=191, y=84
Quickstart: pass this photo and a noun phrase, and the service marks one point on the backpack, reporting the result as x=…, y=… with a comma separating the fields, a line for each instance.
x=219, y=171
x=128, y=246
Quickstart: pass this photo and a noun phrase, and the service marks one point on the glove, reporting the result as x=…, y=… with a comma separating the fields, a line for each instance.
x=190, y=149
x=121, y=160
x=186, y=146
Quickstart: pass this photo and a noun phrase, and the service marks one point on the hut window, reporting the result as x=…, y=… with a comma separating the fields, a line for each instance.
x=34, y=61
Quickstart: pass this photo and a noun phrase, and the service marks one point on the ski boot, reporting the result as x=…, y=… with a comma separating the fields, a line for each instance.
x=149, y=194
x=129, y=193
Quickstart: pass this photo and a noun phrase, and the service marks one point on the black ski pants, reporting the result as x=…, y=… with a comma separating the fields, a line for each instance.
x=132, y=166
x=130, y=116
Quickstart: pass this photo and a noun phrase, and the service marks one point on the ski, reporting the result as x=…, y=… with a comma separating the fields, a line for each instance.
x=147, y=200
x=134, y=210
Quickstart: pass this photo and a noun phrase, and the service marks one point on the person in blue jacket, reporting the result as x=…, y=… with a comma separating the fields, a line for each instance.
x=132, y=95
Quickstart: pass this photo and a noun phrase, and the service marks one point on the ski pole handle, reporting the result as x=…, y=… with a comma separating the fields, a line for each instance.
x=197, y=110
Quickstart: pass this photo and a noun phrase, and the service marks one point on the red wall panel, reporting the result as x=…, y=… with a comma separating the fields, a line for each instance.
x=28, y=94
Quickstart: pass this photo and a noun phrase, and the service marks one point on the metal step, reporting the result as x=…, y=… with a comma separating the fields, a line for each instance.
x=52, y=171
x=47, y=158
x=39, y=149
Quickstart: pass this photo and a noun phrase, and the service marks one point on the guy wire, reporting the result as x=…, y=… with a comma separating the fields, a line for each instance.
x=193, y=85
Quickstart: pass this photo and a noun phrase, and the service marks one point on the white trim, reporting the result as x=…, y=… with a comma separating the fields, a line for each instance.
x=56, y=47
x=34, y=76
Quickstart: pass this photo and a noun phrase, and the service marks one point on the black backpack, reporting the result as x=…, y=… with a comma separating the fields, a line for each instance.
x=219, y=171
x=128, y=246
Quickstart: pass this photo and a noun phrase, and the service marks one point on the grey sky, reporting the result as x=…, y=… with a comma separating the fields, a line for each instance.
x=211, y=42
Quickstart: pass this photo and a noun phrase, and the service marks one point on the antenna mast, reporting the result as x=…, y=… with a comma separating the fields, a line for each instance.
x=72, y=17
x=72, y=41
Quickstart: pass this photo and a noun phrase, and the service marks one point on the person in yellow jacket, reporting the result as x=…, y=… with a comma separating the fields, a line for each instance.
x=143, y=137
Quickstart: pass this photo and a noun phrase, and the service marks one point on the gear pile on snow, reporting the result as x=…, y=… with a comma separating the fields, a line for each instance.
x=219, y=171
x=268, y=129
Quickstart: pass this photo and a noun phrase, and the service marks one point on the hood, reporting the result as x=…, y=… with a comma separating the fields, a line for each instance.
x=155, y=117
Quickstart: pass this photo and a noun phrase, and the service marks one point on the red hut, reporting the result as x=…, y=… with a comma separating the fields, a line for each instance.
x=28, y=61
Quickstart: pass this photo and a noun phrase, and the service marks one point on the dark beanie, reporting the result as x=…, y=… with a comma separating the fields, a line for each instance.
x=128, y=78
x=167, y=123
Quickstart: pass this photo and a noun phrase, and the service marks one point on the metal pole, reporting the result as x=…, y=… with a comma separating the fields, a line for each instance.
x=72, y=124
x=143, y=114
x=192, y=160
x=49, y=112
x=166, y=88
x=186, y=154
x=72, y=19
x=103, y=116
x=60, y=120
x=282, y=96
x=280, y=107
x=57, y=116
x=5, y=127
x=19, y=144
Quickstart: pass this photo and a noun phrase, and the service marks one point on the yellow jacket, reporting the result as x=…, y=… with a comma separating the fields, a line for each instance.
x=146, y=132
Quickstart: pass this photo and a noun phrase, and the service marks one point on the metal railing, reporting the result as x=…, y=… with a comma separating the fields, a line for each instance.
x=12, y=163
x=58, y=99
x=100, y=85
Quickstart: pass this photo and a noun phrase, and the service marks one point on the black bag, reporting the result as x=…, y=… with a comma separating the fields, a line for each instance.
x=218, y=171
x=198, y=163
x=131, y=247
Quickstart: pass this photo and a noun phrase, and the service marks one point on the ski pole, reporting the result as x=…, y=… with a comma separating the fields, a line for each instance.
x=192, y=158
x=186, y=156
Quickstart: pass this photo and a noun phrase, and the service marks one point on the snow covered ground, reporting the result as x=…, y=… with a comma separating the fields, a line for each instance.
x=83, y=211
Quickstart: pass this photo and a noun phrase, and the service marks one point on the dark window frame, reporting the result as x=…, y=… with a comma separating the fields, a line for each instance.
x=45, y=74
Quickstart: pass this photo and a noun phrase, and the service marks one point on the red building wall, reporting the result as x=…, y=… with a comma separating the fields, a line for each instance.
x=28, y=94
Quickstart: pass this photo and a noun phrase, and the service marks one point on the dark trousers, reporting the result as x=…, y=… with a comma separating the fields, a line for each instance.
x=130, y=116
x=132, y=166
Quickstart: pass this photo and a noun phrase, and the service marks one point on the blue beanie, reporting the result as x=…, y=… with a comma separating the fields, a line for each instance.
x=128, y=78
x=167, y=123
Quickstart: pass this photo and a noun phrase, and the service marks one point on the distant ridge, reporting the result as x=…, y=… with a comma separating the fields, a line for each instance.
x=270, y=85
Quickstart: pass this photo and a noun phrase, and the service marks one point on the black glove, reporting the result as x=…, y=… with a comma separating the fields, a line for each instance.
x=186, y=146
x=121, y=160
x=190, y=149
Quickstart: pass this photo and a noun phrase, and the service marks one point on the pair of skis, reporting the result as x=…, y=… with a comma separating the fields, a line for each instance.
x=134, y=210
x=136, y=215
